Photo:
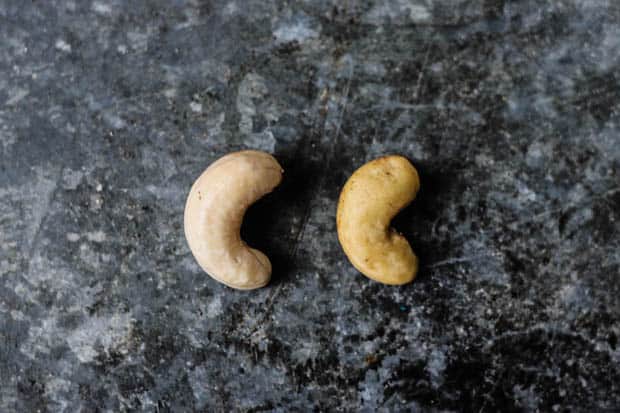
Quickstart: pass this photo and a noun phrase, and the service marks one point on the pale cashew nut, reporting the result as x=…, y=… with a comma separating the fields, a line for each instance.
x=214, y=212
x=369, y=200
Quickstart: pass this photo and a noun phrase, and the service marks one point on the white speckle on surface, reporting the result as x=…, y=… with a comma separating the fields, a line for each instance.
x=483, y=160
x=162, y=165
x=609, y=48
x=88, y=255
x=40, y=338
x=114, y=120
x=195, y=107
x=231, y=8
x=572, y=297
x=436, y=366
x=251, y=87
x=121, y=48
x=96, y=201
x=416, y=150
x=69, y=5
x=199, y=380
x=5, y=265
x=214, y=308
x=62, y=45
x=55, y=389
x=101, y=8
x=73, y=237
x=107, y=332
x=264, y=141
x=214, y=124
x=374, y=68
x=436, y=67
x=525, y=193
x=99, y=188
x=534, y=154
x=298, y=30
x=138, y=40
x=526, y=397
x=17, y=315
x=577, y=194
x=369, y=392
x=15, y=96
x=488, y=263
x=71, y=178
x=399, y=12
x=418, y=12
x=96, y=236
x=170, y=92
x=309, y=350
x=7, y=137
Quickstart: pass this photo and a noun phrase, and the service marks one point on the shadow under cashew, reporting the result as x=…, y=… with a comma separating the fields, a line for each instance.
x=274, y=224
x=417, y=222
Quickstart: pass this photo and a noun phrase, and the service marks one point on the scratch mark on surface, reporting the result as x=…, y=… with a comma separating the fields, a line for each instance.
x=319, y=187
x=308, y=209
x=345, y=100
x=43, y=219
x=381, y=119
x=17, y=97
x=421, y=75
x=580, y=204
x=458, y=260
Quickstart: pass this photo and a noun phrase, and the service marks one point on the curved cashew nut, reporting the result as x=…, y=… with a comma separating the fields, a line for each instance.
x=371, y=197
x=214, y=212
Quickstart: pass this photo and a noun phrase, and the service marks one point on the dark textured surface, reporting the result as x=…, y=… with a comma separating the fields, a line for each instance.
x=510, y=110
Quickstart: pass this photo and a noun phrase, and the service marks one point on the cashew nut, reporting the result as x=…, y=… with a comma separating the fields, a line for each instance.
x=371, y=197
x=214, y=212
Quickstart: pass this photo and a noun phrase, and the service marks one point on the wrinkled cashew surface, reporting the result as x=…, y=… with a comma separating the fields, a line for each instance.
x=214, y=212
x=371, y=197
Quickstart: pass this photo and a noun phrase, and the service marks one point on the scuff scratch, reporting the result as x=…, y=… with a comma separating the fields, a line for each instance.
x=319, y=187
x=458, y=260
x=41, y=218
x=421, y=75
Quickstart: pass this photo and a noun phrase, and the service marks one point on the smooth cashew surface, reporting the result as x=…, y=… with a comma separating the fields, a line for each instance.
x=214, y=212
x=372, y=196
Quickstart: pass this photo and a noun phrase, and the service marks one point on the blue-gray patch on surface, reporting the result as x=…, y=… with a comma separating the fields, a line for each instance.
x=510, y=110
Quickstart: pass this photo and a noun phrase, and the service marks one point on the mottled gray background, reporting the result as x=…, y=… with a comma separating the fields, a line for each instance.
x=510, y=109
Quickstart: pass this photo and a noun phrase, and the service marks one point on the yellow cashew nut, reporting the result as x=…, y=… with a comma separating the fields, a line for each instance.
x=369, y=200
x=214, y=212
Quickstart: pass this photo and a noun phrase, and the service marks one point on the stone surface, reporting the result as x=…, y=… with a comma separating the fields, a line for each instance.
x=510, y=110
